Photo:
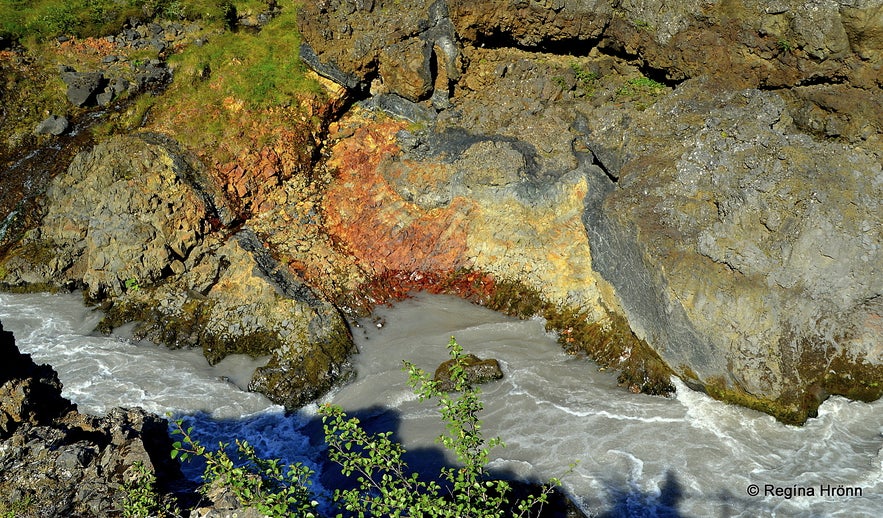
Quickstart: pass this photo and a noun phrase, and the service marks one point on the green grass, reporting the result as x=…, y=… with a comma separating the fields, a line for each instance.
x=260, y=69
x=643, y=91
x=45, y=19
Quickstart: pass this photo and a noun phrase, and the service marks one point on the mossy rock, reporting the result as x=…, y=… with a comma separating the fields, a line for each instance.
x=477, y=371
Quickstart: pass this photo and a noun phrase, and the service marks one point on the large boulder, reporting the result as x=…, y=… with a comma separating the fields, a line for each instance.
x=131, y=222
x=125, y=212
x=748, y=254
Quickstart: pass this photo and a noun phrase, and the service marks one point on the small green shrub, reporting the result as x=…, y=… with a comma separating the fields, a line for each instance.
x=385, y=486
x=141, y=499
x=785, y=45
x=263, y=484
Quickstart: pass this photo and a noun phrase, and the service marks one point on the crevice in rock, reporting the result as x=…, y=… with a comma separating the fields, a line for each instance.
x=600, y=165
x=281, y=277
x=577, y=48
x=567, y=47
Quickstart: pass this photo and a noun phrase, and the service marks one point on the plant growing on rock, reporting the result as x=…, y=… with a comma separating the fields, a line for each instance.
x=386, y=488
x=263, y=484
x=141, y=498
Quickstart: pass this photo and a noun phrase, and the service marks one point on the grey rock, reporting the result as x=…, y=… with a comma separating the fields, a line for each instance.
x=53, y=125
x=61, y=462
x=105, y=97
x=740, y=248
x=82, y=87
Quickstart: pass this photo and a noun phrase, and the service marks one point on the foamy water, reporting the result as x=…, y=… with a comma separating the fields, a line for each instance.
x=637, y=455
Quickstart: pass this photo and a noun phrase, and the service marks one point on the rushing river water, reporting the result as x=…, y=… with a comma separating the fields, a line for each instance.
x=686, y=456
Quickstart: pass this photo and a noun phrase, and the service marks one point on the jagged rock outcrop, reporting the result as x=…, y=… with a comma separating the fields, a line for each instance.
x=55, y=461
x=131, y=223
x=123, y=213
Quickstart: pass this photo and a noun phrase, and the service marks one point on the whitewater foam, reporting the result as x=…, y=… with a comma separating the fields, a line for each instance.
x=638, y=456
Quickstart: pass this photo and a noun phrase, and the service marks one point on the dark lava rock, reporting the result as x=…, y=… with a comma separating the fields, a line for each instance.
x=82, y=87
x=58, y=462
x=478, y=371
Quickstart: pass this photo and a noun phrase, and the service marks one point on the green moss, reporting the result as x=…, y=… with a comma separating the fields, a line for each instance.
x=787, y=410
x=643, y=91
x=216, y=348
x=20, y=507
x=610, y=343
x=854, y=378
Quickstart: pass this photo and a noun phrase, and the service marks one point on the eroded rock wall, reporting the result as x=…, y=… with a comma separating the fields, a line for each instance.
x=722, y=161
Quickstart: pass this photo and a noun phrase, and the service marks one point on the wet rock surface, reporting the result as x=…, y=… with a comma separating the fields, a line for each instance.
x=55, y=461
x=477, y=371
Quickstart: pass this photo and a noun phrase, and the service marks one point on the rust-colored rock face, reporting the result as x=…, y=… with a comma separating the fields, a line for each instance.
x=368, y=218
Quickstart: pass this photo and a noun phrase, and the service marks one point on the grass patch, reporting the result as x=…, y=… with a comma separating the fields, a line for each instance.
x=45, y=19
x=261, y=69
x=642, y=90
x=230, y=90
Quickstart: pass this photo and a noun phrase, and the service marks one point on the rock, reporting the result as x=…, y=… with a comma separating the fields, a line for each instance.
x=82, y=87
x=743, y=251
x=129, y=222
x=124, y=211
x=414, y=57
x=663, y=185
x=53, y=125
x=29, y=394
x=223, y=503
x=58, y=462
x=477, y=371
x=105, y=97
x=152, y=76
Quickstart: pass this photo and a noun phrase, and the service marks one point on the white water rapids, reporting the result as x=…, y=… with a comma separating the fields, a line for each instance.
x=686, y=456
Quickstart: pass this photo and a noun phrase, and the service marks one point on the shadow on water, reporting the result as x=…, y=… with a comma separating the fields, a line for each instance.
x=300, y=438
x=631, y=501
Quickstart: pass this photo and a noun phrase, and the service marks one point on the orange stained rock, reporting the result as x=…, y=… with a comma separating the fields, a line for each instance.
x=372, y=221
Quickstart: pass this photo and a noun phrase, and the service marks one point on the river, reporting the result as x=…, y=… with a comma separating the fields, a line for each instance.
x=635, y=455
